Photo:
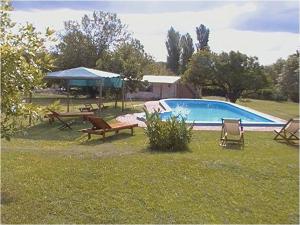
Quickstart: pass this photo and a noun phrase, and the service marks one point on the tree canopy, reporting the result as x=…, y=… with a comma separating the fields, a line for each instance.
x=201, y=70
x=128, y=59
x=289, y=77
x=174, y=50
x=187, y=50
x=24, y=61
x=237, y=73
x=203, y=37
x=82, y=44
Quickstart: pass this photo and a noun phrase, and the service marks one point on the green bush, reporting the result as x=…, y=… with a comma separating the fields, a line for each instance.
x=171, y=135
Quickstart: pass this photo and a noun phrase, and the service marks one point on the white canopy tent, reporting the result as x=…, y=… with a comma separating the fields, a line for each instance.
x=86, y=77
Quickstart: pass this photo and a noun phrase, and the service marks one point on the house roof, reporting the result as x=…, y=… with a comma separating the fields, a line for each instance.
x=81, y=73
x=161, y=79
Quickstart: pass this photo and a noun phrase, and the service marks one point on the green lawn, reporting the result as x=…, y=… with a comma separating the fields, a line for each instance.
x=283, y=110
x=51, y=176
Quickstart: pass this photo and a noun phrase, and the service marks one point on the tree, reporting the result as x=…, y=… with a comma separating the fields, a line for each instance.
x=202, y=36
x=129, y=59
x=157, y=68
x=82, y=44
x=24, y=61
x=237, y=73
x=173, y=48
x=187, y=50
x=289, y=77
x=201, y=70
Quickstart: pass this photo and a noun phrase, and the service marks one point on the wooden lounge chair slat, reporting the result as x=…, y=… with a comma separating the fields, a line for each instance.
x=101, y=127
x=289, y=132
x=231, y=127
x=59, y=115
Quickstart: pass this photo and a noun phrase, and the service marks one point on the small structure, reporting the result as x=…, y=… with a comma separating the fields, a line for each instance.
x=82, y=77
x=162, y=87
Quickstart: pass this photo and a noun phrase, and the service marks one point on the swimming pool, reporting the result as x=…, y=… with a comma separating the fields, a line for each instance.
x=210, y=112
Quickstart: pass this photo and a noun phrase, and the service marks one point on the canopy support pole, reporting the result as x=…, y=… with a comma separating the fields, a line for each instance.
x=68, y=95
x=100, y=95
x=123, y=94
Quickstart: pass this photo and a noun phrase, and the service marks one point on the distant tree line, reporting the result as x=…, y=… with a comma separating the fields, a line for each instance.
x=101, y=41
x=232, y=74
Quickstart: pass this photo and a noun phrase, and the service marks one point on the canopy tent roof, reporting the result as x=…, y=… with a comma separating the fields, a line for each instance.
x=82, y=76
x=81, y=73
x=161, y=79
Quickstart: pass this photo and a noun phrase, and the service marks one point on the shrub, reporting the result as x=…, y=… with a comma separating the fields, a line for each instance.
x=170, y=135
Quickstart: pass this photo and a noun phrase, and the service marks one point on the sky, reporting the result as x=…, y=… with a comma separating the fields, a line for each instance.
x=266, y=29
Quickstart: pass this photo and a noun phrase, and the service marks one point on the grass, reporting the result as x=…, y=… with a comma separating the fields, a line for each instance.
x=51, y=176
x=283, y=110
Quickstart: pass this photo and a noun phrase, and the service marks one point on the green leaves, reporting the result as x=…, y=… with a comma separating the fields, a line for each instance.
x=82, y=44
x=24, y=60
x=174, y=50
x=170, y=135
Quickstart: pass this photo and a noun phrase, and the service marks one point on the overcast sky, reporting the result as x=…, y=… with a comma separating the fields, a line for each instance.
x=266, y=29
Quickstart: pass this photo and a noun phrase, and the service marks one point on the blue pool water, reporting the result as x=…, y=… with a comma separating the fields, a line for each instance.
x=211, y=112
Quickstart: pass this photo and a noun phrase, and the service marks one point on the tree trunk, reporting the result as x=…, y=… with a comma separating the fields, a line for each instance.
x=233, y=96
x=200, y=92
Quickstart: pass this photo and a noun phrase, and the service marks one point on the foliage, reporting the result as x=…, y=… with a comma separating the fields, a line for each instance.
x=187, y=50
x=129, y=59
x=170, y=135
x=158, y=68
x=82, y=44
x=24, y=61
x=201, y=70
x=174, y=50
x=237, y=73
x=289, y=78
x=203, y=37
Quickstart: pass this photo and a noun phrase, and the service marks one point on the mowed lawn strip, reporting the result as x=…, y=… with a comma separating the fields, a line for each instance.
x=51, y=176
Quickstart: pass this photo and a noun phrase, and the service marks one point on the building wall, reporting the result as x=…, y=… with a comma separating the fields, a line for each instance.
x=165, y=90
x=160, y=91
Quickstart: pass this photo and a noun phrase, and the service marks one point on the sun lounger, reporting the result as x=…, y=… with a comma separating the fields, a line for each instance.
x=100, y=127
x=88, y=107
x=289, y=132
x=59, y=115
x=232, y=127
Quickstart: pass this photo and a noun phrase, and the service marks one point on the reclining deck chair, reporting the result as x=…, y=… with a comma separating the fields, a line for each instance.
x=100, y=127
x=88, y=107
x=59, y=115
x=232, y=127
x=289, y=131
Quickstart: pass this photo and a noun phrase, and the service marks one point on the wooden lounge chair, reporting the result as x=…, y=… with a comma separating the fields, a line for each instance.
x=88, y=107
x=232, y=127
x=101, y=127
x=58, y=115
x=289, y=132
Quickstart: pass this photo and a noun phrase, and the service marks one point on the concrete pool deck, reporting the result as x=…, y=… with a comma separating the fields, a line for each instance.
x=151, y=106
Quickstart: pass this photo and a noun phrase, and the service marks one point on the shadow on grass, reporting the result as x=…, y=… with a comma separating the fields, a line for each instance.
x=108, y=139
x=233, y=146
x=6, y=198
x=166, y=151
x=293, y=145
x=46, y=131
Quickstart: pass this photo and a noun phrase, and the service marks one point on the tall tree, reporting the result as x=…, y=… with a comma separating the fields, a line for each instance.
x=187, y=50
x=237, y=73
x=83, y=43
x=24, y=61
x=202, y=36
x=173, y=48
x=130, y=60
x=289, y=77
x=201, y=70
